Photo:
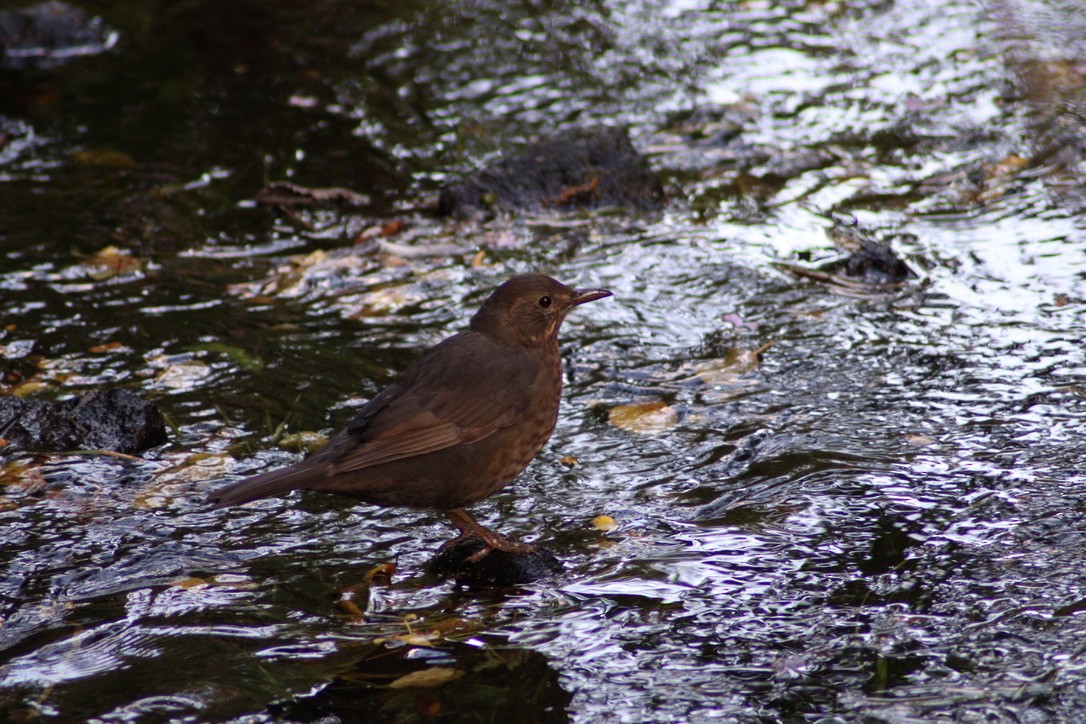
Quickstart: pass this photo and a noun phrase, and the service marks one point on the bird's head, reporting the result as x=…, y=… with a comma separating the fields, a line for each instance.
x=527, y=310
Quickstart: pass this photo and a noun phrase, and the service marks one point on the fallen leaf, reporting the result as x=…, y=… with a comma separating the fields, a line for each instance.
x=111, y=262
x=21, y=474
x=569, y=461
x=644, y=418
x=103, y=158
x=433, y=676
x=107, y=347
x=383, y=571
x=604, y=523
x=186, y=375
x=393, y=227
x=189, y=582
x=736, y=321
x=307, y=442
x=28, y=388
x=355, y=599
x=427, y=707
x=736, y=363
x=918, y=440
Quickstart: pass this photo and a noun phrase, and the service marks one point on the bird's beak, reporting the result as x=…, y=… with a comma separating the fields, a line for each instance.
x=580, y=296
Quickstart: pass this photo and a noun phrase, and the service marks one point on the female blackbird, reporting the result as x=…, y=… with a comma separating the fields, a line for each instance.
x=461, y=423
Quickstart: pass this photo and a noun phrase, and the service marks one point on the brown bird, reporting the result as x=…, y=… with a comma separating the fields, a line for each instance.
x=464, y=420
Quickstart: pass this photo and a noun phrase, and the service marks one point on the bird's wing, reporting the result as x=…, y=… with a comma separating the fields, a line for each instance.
x=461, y=391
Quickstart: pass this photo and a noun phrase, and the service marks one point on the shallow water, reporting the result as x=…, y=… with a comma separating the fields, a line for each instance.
x=879, y=520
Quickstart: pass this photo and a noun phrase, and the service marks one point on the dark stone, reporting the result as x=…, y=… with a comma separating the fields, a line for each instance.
x=497, y=568
x=114, y=419
x=578, y=168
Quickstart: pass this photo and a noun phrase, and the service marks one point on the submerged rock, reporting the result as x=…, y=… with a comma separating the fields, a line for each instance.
x=497, y=568
x=578, y=168
x=49, y=34
x=874, y=263
x=114, y=419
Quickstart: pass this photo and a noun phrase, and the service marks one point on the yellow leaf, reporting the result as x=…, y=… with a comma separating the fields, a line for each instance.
x=308, y=442
x=28, y=388
x=604, y=523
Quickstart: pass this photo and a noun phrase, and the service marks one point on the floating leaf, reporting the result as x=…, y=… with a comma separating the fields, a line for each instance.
x=426, y=678
x=28, y=388
x=736, y=321
x=381, y=302
x=604, y=523
x=103, y=158
x=307, y=442
x=21, y=474
x=169, y=486
x=354, y=600
x=384, y=571
x=644, y=418
x=107, y=347
x=736, y=363
x=189, y=583
x=569, y=461
x=111, y=262
x=186, y=375
x=918, y=440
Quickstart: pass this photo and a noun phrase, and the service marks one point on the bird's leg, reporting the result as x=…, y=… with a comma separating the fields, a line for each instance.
x=469, y=527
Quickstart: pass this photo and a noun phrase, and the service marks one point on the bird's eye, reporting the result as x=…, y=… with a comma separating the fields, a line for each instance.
x=544, y=301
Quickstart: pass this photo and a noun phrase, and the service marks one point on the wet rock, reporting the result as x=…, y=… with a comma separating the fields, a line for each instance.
x=578, y=168
x=874, y=263
x=497, y=568
x=114, y=419
x=49, y=34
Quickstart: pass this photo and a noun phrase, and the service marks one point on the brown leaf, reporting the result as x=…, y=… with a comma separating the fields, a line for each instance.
x=426, y=678
x=103, y=158
x=644, y=418
x=111, y=262
x=107, y=347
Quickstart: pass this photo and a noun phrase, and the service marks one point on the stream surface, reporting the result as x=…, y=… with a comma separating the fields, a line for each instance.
x=881, y=517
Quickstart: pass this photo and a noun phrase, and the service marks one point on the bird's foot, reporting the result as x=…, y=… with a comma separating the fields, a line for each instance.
x=470, y=528
x=497, y=543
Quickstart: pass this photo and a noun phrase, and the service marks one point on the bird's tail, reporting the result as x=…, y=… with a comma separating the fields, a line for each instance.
x=265, y=485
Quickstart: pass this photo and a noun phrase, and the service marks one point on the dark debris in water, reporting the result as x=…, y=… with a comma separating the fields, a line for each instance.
x=449, y=681
x=577, y=168
x=496, y=568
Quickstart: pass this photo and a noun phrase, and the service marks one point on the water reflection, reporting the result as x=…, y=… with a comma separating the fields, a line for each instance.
x=877, y=517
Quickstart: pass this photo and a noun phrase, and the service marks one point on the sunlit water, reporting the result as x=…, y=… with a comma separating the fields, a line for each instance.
x=881, y=519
